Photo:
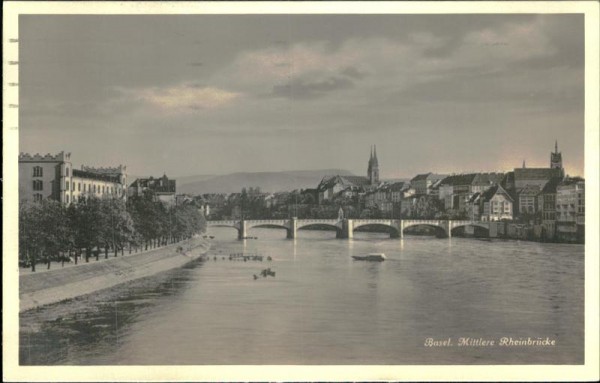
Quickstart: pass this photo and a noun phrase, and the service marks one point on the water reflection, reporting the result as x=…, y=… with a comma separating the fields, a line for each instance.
x=324, y=308
x=60, y=333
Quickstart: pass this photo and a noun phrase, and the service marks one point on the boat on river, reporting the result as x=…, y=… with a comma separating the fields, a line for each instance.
x=372, y=257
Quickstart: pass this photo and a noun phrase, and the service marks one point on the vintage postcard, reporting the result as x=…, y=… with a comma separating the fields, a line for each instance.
x=340, y=191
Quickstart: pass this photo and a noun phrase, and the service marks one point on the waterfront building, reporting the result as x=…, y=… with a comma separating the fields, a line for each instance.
x=53, y=177
x=570, y=210
x=483, y=181
x=396, y=191
x=407, y=205
x=534, y=177
x=332, y=186
x=99, y=182
x=547, y=207
x=527, y=199
x=423, y=183
x=163, y=188
x=455, y=188
x=375, y=198
x=351, y=186
x=525, y=176
x=494, y=204
x=508, y=182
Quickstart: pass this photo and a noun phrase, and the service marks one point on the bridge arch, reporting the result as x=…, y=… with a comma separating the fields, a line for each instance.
x=268, y=226
x=439, y=230
x=479, y=229
x=230, y=226
x=392, y=230
x=316, y=225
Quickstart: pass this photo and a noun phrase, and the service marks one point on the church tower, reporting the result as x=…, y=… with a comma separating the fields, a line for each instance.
x=556, y=159
x=373, y=170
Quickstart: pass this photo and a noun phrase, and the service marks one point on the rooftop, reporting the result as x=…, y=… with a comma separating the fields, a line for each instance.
x=427, y=176
x=492, y=191
x=59, y=157
x=95, y=176
x=535, y=173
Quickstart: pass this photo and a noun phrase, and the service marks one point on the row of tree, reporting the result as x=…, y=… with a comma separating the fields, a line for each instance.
x=50, y=231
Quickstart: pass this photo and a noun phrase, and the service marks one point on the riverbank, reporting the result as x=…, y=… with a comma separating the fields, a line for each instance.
x=57, y=285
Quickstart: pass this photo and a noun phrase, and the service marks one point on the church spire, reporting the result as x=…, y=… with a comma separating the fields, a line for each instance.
x=523, y=164
x=373, y=170
x=556, y=146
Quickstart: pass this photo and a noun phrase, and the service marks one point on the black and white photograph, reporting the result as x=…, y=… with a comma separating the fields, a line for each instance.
x=318, y=186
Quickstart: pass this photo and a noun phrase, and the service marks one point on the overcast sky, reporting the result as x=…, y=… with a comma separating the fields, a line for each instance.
x=218, y=94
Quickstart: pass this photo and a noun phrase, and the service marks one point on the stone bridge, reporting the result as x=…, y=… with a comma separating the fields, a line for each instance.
x=345, y=227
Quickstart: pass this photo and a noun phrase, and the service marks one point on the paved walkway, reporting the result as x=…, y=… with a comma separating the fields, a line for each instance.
x=43, y=267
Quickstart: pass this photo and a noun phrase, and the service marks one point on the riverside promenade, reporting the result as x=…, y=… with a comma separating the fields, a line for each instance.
x=50, y=286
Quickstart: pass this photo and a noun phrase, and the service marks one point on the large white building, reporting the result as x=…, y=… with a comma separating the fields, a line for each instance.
x=53, y=177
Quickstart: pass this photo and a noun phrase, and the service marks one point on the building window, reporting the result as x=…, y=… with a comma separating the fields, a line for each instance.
x=67, y=172
x=67, y=198
x=94, y=188
x=38, y=185
x=73, y=186
x=67, y=185
x=38, y=171
x=78, y=186
x=37, y=197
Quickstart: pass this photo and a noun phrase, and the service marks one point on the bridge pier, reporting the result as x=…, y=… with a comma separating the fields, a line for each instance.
x=448, y=228
x=293, y=227
x=399, y=227
x=242, y=231
x=347, y=231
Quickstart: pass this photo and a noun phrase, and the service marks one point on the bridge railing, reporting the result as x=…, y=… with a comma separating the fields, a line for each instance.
x=334, y=221
x=328, y=221
x=209, y=223
x=267, y=221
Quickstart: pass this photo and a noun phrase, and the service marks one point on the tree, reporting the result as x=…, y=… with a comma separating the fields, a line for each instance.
x=117, y=225
x=144, y=211
x=86, y=222
x=44, y=231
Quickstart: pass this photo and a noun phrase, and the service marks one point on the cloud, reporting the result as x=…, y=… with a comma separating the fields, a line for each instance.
x=301, y=89
x=184, y=97
x=311, y=69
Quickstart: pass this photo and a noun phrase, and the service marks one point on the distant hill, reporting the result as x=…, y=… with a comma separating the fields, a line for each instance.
x=267, y=181
x=191, y=179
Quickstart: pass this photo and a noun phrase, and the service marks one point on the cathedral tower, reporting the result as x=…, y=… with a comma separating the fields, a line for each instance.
x=556, y=159
x=373, y=170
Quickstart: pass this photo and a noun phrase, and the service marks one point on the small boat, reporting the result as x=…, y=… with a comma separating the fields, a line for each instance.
x=373, y=257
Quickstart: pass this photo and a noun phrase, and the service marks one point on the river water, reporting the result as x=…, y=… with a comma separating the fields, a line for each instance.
x=322, y=307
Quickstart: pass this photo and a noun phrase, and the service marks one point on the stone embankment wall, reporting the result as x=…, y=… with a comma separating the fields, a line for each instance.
x=56, y=285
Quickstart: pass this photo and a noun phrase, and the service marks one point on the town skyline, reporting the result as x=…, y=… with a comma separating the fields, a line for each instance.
x=195, y=95
x=383, y=177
